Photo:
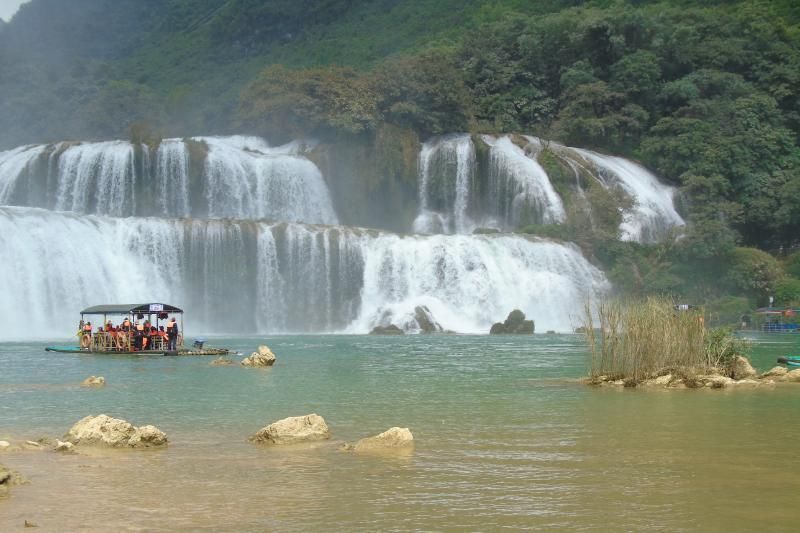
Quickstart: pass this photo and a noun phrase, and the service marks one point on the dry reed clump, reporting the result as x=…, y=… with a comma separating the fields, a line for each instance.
x=636, y=340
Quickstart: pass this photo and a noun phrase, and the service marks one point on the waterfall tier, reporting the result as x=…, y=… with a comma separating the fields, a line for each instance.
x=246, y=276
x=205, y=177
x=506, y=187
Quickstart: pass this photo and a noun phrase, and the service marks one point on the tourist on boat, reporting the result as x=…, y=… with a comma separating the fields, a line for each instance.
x=172, y=334
x=138, y=336
x=126, y=325
x=87, y=328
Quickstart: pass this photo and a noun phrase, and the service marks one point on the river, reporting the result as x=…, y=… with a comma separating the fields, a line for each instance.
x=506, y=437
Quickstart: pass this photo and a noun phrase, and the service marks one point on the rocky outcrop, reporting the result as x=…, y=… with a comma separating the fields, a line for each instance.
x=391, y=329
x=392, y=439
x=425, y=320
x=4, y=445
x=515, y=324
x=94, y=382
x=792, y=376
x=741, y=368
x=775, y=372
x=102, y=430
x=293, y=430
x=262, y=357
x=9, y=478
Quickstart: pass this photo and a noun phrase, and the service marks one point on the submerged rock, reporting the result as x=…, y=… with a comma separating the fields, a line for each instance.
x=391, y=439
x=9, y=478
x=262, y=357
x=515, y=324
x=94, y=381
x=102, y=430
x=391, y=329
x=741, y=368
x=4, y=445
x=63, y=446
x=221, y=361
x=292, y=430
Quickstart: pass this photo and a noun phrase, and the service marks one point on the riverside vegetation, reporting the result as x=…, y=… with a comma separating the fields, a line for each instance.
x=705, y=94
x=649, y=341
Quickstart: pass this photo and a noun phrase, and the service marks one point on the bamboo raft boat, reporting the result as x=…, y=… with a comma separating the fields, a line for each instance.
x=129, y=342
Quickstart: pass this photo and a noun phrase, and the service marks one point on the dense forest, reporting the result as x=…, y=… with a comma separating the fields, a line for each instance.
x=703, y=93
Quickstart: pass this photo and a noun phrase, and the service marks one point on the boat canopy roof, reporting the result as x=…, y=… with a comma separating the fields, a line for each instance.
x=130, y=309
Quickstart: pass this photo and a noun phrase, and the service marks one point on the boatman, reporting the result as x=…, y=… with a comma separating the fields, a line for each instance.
x=172, y=334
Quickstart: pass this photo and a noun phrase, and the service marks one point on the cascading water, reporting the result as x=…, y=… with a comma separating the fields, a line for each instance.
x=238, y=177
x=653, y=213
x=246, y=276
x=519, y=190
x=446, y=169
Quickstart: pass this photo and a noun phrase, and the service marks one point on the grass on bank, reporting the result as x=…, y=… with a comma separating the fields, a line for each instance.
x=635, y=340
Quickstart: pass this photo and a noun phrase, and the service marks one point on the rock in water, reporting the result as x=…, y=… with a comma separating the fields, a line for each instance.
x=94, y=381
x=741, y=368
x=793, y=376
x=294, y=429
x=515, y=324
x=262, y=357
x=63, y=446
x=391, y=439
x=102, y=430
x=425, y=320
x=775, y=372
x=391, y=329
x=9, y=478
x=221, y=361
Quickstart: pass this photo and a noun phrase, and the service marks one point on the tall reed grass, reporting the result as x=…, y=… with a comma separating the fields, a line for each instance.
x=640, y=339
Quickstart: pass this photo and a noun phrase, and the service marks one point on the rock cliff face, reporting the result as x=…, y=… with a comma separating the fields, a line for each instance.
x=293, y=430
x=102, y=430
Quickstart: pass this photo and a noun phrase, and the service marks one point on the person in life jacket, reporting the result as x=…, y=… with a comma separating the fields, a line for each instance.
x=172, y=335
x=126, y=324
x=86, y=335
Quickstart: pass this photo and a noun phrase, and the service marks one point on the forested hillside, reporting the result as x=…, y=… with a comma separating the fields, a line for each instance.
x=704, y=93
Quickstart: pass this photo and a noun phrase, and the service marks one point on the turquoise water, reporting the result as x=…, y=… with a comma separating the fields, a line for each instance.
x=505, y=437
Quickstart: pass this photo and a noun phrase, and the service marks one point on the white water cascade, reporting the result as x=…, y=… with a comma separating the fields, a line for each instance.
x=238, y=177
x=247, y=276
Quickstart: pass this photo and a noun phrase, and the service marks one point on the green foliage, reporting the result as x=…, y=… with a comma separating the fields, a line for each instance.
x=787, y=292
x=754, y=272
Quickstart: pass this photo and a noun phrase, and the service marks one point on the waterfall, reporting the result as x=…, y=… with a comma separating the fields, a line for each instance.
x=206, y=177
x=653, y=213
x=446, y=171
x=245, y=276
x=519, y=190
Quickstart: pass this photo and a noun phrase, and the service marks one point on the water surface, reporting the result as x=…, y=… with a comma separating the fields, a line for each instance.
x=506, y=437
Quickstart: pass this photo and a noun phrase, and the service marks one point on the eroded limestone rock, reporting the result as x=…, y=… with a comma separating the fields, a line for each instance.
x=391, y=439
x=262, y=357
x=102, y=430
x=292, y=430
x=741, y=368
x=94, y=382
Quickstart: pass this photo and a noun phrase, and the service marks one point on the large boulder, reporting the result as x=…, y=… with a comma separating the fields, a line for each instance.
x=94, y=382
x=515, y=324
x=102, y=430
x=391, y=439
x=425, y=320
x=391, y=329
x=741, y=368
x=262, y=357
x=292, y=430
